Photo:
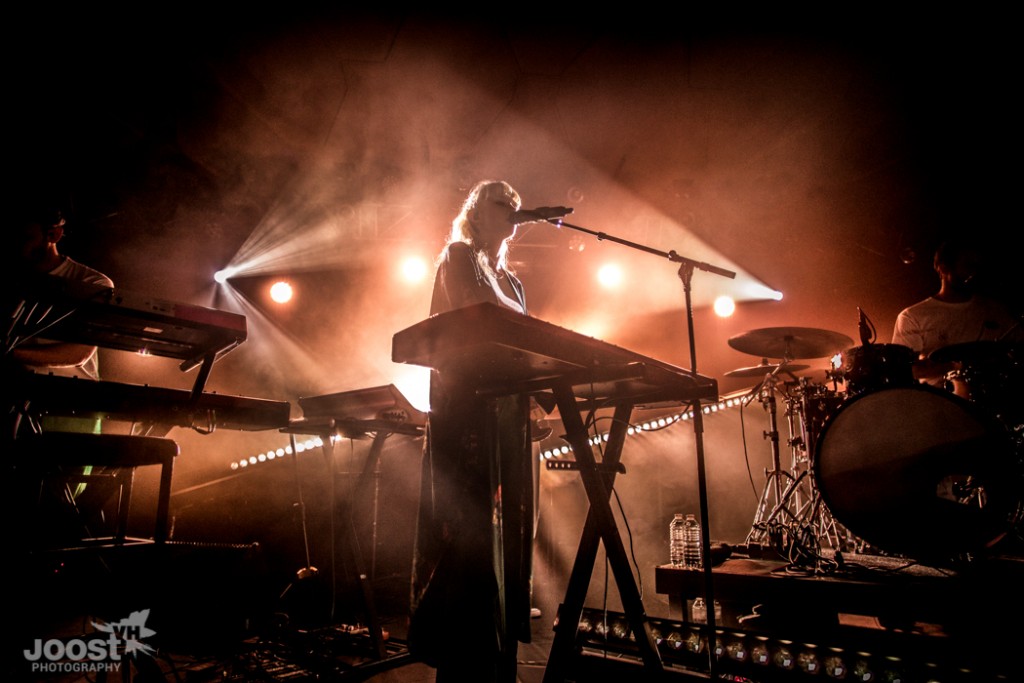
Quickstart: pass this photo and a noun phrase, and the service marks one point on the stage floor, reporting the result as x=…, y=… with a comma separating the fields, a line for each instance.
x=208, y=642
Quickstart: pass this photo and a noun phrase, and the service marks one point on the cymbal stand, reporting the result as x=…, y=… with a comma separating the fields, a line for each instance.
x=799, y=516
x=764, y=528
x=810, y=511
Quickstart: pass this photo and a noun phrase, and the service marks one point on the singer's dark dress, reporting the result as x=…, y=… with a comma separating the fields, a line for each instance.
x=472, y=560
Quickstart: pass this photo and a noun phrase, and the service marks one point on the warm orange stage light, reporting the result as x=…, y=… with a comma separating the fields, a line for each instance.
x=281, y=292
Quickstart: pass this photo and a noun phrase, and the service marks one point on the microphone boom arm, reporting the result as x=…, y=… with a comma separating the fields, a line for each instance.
x=670, y=255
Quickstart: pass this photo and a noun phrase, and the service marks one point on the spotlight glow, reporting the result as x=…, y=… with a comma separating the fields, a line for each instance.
x=759, y=292
x=610, y=276
x=724, y=306
x=414, y=269
x=224, y=274
x=281, y=292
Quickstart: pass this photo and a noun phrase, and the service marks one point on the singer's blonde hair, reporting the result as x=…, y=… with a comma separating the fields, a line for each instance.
x=464, y=230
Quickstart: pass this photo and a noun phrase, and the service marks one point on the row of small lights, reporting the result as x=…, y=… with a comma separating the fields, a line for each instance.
x=741, y=649
x=650, y=426
x=275, y=453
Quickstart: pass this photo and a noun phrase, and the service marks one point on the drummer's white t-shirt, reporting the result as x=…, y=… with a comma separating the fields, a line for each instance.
x=932, y=324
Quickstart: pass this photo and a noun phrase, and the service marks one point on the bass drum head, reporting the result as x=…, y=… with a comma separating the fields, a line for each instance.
x=919, y=472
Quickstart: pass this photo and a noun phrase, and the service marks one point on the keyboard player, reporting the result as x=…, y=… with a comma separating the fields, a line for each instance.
x=36, y=252
x=37, y=233
x=471, y=571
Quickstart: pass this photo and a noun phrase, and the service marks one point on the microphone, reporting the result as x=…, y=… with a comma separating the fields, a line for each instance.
x=864, y=327
x=541, y=213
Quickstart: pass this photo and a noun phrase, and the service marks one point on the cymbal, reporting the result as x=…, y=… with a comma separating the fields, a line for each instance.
x=791, y=342
x=976, y=351
x=764, y=369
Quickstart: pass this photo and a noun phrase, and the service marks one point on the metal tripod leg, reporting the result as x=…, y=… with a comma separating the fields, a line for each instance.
x=773, y=489
x=786, y=515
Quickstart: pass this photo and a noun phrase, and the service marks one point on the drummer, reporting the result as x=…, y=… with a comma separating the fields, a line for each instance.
x=955, y=314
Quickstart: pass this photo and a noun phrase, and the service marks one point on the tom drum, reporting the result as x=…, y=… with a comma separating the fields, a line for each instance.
x=877, y=366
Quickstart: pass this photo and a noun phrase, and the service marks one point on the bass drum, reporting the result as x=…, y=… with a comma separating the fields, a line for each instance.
x=919, y=472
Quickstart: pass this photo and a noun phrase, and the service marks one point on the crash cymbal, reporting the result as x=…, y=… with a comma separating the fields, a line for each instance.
x=765, y=369
x=791, y=342
x=976, y=352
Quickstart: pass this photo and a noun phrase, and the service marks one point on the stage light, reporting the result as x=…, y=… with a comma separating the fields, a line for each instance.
x=893, y=671
x=808, y=660
x=281, y=292
x=757, y=292
x=783, y=656
x=834, y=665
x=695, y=643
x=610, y=276
x=674, y=641
x=620, y=629
x=414, y=269
x=719, y=645
x=862, y=669
x=724, y=306
x=760, y=653
x=737, y=650
x=221, y=276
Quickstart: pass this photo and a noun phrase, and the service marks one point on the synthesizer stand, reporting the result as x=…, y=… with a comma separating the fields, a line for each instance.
x=687, y=268
x=508, y=353
x=380, y=412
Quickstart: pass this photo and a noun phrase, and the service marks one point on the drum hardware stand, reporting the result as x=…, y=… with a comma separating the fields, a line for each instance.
x=816, y=514
x=796, y=505
x=760, y=531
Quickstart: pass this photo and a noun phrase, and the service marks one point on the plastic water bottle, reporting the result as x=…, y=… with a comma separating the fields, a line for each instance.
x=699, y=613
x=677, y=541
x=693, y=553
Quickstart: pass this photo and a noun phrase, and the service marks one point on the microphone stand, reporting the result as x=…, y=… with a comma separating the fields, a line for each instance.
x=686, y=269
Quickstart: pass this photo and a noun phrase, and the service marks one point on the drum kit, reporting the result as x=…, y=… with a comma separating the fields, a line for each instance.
x=880, y=462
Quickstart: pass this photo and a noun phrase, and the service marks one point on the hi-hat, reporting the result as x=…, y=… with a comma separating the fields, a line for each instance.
x=765, y=369
x=791, y=342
